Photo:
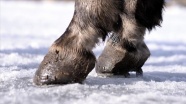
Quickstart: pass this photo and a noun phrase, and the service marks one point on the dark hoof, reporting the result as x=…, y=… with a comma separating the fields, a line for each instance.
x=63, y=67
x=107, y=60
x=139, y=73
x=104, y=67
x=127, y=75
x=120, y=59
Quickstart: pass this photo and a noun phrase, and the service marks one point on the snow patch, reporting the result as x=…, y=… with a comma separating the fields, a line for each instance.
x=29, y=28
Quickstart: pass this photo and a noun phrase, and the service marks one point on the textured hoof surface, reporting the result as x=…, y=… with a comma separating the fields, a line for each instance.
x=57, y=68
x=118, y=60
x=107, y=61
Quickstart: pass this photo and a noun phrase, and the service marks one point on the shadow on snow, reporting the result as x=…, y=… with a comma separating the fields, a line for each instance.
x=147, y=77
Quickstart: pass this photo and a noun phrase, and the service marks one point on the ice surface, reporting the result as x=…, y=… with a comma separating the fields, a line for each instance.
x=27, y=29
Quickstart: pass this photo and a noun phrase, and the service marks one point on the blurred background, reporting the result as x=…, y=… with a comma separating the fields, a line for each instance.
x=179, y=2
x=170, y=2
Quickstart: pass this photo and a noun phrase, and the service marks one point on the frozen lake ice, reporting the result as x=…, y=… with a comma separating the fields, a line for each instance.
x=27, y=29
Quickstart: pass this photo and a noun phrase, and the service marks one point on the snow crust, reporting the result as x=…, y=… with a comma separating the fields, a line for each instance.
x=27, y=29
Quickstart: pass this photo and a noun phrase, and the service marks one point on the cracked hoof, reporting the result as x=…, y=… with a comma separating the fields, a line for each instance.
x=63, y=67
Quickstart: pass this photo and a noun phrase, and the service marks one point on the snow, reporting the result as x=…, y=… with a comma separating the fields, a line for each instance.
x=27, y=29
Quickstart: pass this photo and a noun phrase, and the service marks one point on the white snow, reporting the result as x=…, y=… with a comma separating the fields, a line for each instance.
x=27, y=29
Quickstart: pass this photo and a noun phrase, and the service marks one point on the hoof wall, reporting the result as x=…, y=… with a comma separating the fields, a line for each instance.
x=57, y=68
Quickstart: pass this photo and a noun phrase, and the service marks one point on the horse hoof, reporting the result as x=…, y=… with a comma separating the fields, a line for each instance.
x=63, y=67
x=139, y=73
x=120, y=57
x=107, y=61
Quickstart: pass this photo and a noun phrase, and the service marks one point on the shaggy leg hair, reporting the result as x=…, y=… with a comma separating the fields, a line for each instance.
x=70, y=58
x=126, y=50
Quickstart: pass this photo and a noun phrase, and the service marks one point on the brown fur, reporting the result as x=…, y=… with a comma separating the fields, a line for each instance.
x=129, y=52
x=70, y=58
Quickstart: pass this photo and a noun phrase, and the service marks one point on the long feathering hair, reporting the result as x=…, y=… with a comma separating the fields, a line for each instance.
x=149, y=13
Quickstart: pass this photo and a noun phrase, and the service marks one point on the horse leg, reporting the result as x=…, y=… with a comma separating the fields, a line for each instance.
x=70, y=59
x=126, y=50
